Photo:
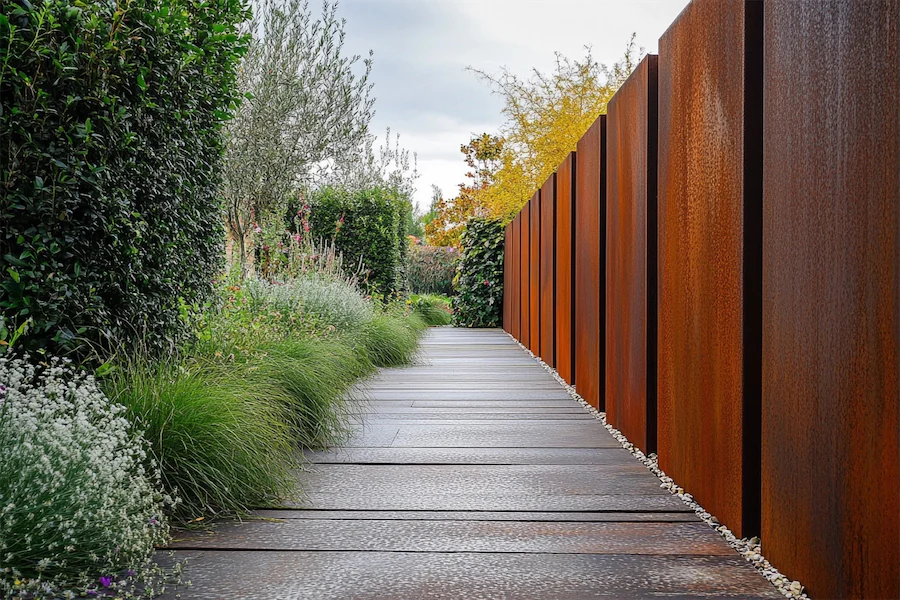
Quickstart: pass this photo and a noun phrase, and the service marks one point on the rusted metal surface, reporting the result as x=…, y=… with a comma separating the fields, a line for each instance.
x=525, y=274
x=548, y=270
x=590, y=251
x=831, y=310
x=534, y=335
x=709, y=261
x=631, y=257
x=507, y=244
x=565, y=269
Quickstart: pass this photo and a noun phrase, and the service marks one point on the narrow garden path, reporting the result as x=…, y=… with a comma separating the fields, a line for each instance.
x=474, y=475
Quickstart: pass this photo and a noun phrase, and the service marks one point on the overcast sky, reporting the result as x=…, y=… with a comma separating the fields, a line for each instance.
x=422, y=49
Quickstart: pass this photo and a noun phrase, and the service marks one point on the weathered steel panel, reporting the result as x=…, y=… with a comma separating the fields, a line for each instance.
x=831, y=302
x=590, y=260
x=534, y=335
x=517, y=277
x=565, y=269
x=548, y=270
x=710, y=256
x=505, y=320
x=631, y=257
x=525, y=271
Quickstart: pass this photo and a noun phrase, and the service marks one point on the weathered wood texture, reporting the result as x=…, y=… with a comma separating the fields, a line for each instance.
x=631, y=307
x=590, y=263
x=548, y=271
x=831, y=310
x=452, y=508
x=565, y=269
x=710, y=256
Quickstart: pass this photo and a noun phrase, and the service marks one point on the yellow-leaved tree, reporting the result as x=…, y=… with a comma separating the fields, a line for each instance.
x=546, y=114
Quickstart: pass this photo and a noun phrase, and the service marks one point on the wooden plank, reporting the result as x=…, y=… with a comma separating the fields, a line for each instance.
x=618, y=457
x=439, y=515
x=395, y=575
x=393, y=535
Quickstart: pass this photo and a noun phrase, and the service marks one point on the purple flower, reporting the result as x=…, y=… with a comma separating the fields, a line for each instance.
x=130, y=572
x=106, y=581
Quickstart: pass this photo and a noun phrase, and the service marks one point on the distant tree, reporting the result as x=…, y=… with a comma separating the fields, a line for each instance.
x=546, y=114
x=483, y=155
x=305, y=109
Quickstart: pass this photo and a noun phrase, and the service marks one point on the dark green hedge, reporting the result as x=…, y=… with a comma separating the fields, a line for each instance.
x=110, y=116
x=368, y=224
x=431, y=269
x=479, y=280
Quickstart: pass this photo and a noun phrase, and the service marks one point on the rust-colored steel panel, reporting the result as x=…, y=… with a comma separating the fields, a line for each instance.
x=710, y=256
x=565, y=269
x=548, y=271
x=534, y=336
x=525, y=274
x=506, y=280
x=831, y=295
x=631, y=257
x=590, y=260
x=514, y=278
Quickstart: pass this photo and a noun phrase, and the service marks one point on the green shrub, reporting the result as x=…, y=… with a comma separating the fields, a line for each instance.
x=479, y=282
x=434, y=310
x=79, y=499
x=431, y=269
x=110, y=157
x=367, y=225
x=220, y=436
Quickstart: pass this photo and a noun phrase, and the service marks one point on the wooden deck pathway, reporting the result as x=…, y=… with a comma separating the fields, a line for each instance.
x=475, y=475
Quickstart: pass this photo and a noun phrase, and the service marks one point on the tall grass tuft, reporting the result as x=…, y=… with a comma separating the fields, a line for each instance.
x=391, y=339
x=433, y=309
x=220, y=437
x=316, y=377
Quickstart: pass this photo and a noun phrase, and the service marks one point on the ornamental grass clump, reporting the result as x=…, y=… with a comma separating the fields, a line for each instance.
x=80, y=506
x=218, y=432
x=433, y=309
x=391, y=339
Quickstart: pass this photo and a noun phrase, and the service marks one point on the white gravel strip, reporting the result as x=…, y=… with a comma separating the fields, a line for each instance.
x=748, y=548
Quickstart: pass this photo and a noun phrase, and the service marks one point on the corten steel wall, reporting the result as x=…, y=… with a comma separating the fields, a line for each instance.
x=590, y=250
x=534, y=336
x=507, y=280
x=548, y=270
x=710, y=257
x=631, y=257
x=831, y=309
x=525, y=274
x=565, y=269
x=515, y=289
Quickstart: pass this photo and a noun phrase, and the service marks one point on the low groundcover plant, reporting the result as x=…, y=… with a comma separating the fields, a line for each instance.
x=80, y=510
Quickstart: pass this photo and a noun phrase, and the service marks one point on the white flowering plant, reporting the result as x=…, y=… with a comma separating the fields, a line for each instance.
x=80, y=506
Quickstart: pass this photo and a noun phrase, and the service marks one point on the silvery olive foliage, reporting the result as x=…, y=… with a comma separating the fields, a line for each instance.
x=306, y=106
x=80, y=506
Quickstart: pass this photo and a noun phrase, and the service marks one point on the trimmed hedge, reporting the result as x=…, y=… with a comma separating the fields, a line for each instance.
x=369, y=225
x=110, y=151
x=431, y=269
x=479, y=280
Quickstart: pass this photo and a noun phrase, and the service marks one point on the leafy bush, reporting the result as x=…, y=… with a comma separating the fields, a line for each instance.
x=367, y=225
x=479, y=281
x=220, y=437
x=431, y=269
x=77, y=502
x=434, y=310
x=326, y=302
x=110, y=159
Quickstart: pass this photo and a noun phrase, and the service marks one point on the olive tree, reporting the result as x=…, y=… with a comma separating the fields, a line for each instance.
x=306, y=106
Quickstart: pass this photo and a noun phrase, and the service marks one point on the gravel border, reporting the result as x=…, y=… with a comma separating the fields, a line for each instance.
x=748, y=548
